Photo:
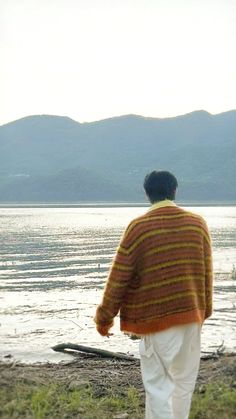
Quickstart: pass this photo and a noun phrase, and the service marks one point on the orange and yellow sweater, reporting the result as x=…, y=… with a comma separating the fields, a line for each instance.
x=161, y=275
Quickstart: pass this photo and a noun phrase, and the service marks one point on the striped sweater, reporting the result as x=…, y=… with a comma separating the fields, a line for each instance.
x=161, y=275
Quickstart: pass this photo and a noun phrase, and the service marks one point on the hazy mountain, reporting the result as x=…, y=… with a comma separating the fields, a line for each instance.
x=51, y=158
x=66, y=186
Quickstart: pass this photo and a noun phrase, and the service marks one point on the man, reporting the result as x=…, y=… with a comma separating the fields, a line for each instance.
x=161, y=282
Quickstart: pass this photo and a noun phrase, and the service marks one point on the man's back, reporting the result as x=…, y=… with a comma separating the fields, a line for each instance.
x=170, y=249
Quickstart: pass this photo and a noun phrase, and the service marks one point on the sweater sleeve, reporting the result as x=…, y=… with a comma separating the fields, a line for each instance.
x=208, y=273
x=120, y=275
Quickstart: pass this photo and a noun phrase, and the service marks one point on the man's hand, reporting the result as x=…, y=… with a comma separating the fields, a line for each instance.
x=104, y=330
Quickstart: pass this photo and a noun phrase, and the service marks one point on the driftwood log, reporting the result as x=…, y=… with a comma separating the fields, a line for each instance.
x=66, y=347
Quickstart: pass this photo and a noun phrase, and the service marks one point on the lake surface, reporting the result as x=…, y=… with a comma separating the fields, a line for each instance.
x=53, y=266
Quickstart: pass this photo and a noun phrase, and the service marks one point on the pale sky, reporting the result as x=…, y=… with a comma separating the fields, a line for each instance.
x=94, y=59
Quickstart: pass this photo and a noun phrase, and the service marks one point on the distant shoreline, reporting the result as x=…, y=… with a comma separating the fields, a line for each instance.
x=106, y=204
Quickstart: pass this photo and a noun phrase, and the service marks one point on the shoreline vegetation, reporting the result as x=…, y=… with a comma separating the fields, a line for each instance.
x=92, y=387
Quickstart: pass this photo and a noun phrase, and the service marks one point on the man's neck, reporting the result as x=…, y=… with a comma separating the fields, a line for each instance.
x=162, y=204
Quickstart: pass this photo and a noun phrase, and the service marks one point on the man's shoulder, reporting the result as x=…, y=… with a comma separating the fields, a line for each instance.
x=146, y=220
x=192, y=215
x=136, y=222
x=196, y=220
x=141, y=222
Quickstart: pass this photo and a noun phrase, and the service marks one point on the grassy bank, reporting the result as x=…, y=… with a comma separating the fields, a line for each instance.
x=54, y=401
x=96, y=388
x=216, y=400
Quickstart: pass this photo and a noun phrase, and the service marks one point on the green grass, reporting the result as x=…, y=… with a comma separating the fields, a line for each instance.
x=56, y=401
x=217, y=400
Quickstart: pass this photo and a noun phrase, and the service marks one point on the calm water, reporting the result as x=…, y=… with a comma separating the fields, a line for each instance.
x=53, y=265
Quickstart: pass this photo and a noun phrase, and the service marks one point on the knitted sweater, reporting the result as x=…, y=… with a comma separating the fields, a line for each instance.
x=161, y=275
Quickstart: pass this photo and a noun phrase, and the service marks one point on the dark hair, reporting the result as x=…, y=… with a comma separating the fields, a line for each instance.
x=160, y=185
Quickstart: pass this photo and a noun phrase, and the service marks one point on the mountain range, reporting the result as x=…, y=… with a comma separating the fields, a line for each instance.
x=46, y=158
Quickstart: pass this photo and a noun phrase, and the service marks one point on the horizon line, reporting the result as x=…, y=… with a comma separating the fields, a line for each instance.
x=119, y=116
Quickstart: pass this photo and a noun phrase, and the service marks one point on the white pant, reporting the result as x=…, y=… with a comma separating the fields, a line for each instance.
x=169, y=366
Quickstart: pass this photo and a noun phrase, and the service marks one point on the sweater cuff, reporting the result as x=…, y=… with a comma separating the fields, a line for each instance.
x=103, y=318
x=103, y=330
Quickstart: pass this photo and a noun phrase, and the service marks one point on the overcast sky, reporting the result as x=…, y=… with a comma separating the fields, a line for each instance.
x=93, y=59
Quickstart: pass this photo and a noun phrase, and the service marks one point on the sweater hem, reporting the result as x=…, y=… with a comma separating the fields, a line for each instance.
x=157, y=325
